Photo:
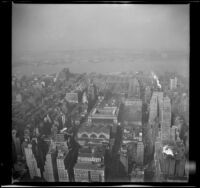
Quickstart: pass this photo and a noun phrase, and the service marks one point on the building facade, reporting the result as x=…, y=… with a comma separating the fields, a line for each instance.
x=62, y=171
x=133, y=111
x=90, y=166
x=166, y=119
x=134, y=88
x=140, y=152
x=31, y=162
x=173, y=83
x=50, y=168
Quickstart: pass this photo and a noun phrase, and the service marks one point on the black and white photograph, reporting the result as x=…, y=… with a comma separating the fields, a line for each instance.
x=100, y=93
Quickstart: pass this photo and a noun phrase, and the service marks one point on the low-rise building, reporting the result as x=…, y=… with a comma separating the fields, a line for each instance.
x=86, y=172
x=90, y=166
x=105, y=111
x=93, y=133
x=98, y=115
x=71, y=97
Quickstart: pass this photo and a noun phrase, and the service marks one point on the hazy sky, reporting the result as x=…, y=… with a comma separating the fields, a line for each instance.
x=137, y=27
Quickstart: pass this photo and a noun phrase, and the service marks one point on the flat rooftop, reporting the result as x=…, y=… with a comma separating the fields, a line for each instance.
x=94, y=128
x=105, y=111
x=90, y=155
x=88, y=166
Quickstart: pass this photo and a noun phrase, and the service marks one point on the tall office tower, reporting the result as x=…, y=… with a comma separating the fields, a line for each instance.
x=156, y=111
x=62, y=172
x=166, y=119
x=84, y=98
x=157, y=145
x=153, y=109
x=147, y=95
x=133, y=111
x=184, y=103
x=173, y=83
x=160, y=104
x=169, y=165
x=91, y=91
x=31, y=162
x=124, y=160
x=153, y=116
x=180, y=167
x=50, y=168
x=172, y=163
x=134, y=88
x=140, y=152
x=173, y=133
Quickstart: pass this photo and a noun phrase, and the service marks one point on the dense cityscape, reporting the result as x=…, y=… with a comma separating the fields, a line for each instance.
x=100, y=93
x=92, y=127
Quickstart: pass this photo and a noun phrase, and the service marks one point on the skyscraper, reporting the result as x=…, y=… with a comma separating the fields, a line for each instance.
x=91, y=91
x=31, y=162
x=166, y=119
x=62, y=172
x=140, y=152
x=160, y=104
x=173, y=132
x=147, y=96
x=134, y=88
x=50, y=168
x=133, y=111
x=124, y=160
x=153, y=113
x=156, y=112
x=173, y=83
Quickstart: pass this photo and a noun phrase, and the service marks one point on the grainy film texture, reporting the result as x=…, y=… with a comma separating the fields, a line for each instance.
x=100, y=93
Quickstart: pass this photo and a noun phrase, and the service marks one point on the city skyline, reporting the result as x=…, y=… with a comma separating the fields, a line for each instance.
x=100, y=93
